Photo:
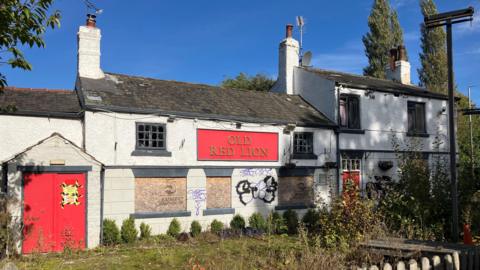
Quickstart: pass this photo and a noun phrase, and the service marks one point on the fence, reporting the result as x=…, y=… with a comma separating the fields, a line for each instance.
x=423, y=255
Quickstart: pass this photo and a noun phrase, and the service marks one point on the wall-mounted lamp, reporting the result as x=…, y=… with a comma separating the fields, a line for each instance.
x=289, y=128
x=171, y=118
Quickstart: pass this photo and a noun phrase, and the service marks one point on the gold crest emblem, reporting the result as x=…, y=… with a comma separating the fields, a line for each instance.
x=70, y=194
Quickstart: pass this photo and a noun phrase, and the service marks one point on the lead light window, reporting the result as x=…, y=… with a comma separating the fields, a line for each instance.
x=150, y=136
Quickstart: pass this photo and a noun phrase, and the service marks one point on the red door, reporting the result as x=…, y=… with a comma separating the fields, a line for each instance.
x=54, y=212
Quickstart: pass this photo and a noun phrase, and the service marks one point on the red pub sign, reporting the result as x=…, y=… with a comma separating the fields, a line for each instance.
x=237, y=145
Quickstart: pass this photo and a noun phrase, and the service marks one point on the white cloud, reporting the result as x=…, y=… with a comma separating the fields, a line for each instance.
x=412, y=36
x=400, y=3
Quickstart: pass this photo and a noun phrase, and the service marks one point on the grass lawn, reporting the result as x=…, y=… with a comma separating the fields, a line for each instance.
x=205, y=252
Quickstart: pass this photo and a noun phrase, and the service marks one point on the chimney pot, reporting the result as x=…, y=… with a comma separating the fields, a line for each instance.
x=402, y=55
x=91, y=20
x=289, y=31
x=393, y=58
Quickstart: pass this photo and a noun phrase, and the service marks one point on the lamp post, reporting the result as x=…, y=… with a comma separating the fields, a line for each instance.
x=448, y=19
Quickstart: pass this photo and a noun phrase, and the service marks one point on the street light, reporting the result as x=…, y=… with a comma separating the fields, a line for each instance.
x=447, y=19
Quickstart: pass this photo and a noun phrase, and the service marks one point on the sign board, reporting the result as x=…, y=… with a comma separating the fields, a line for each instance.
x=237, y=145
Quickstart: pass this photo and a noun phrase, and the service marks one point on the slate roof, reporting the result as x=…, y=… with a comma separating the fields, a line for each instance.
x=131, y=94
x=40, y=102
x=365, y=82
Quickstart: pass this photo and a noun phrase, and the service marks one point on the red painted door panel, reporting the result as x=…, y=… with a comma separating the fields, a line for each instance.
x=352, y=176
x=54, y=212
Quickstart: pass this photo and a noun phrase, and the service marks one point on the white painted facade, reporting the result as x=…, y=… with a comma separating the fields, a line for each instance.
x=20, y=132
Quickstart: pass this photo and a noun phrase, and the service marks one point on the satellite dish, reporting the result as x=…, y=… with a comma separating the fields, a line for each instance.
x=307, y=59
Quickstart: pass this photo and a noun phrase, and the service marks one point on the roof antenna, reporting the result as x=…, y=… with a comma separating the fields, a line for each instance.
x=91, y=7
x=300, y=24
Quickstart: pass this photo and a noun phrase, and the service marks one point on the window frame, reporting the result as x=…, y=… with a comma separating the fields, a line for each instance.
x=303, y=155
x=347, y=97
x=415, y=132
x=143, y=148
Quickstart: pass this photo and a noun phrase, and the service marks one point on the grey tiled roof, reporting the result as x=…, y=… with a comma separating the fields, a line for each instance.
x=123, y=93
x=365, y=82
x=45, y=102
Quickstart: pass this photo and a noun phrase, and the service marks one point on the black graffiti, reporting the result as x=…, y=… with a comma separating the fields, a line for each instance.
x=263, y=190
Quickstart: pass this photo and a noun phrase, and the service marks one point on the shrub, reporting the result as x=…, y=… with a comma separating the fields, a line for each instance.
x=195, y=228
x=216, y=226
x=276, y=224
x=310, y=220
x=111, y=234
x=145, y=231
x=257, y=221
x=128, y=231
x=174, y=228
x=291, y=220
x=237, y=223
x=6, y=232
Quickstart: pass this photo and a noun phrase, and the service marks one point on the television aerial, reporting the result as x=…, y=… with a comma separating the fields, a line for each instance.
x=92, y=7
x=300, y=24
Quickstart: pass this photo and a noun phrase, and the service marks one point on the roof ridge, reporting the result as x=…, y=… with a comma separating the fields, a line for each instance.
x=13, y=88
x=363, y=77
x=202, y=84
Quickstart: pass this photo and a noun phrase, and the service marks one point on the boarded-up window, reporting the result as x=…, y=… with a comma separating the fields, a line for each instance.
x=219, y=192
x=295, y=190
x=160, y=194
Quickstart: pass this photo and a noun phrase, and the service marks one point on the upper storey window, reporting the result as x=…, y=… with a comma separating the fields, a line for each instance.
x=350, y=111
x=416, y=118
x=150, y=136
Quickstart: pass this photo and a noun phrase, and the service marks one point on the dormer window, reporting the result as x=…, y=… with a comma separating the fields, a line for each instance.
x=350, y=111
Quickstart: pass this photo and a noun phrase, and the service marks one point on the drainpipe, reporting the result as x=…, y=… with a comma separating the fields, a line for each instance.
x=102, y=185
x=337, y=133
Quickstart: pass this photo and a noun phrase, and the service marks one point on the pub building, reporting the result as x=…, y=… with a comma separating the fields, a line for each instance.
x=122, y=146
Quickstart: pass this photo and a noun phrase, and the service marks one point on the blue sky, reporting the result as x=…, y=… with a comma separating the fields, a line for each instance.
x=206, y=41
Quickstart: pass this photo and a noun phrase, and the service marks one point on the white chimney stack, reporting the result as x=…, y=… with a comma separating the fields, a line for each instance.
x=399, y=68
x=288, y=59
x=89, y=50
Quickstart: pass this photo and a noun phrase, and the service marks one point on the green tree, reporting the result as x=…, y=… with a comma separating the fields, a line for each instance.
x=385, y=33
x=433, y=58
x=23, y=22
x=259, y=82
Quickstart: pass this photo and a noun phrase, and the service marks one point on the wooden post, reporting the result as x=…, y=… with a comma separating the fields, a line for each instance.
x=456, y=260
x=437, y=263
x=373, y=267
x=400, y=265
x=412, y=265
x=387, y=266
x=448, y=262
x=425, y=263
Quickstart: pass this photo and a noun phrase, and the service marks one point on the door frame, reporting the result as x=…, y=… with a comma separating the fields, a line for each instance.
x=61, y=170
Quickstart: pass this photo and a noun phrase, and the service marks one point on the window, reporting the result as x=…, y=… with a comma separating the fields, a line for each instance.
x=416, y=118
x=158, y=195
x=150, y=136
x=350, y=111
x=219, y=191
x=296, y=191
x=303, y=145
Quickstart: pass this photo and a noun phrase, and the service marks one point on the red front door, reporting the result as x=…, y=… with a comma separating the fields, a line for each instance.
x=54, y=212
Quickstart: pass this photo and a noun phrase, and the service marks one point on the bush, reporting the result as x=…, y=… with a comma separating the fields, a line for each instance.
x=237, y=223
x=276, y=224
x=310, y=220
x=128, y=231
x=216, y=226
x=257, y=221
x=145, y=231
x=195, y=228
x=291, y=220
x=111, y=234
x=174, y=228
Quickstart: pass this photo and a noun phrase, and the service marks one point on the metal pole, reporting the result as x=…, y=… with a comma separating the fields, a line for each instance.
x=451, y=126
x=472, y=167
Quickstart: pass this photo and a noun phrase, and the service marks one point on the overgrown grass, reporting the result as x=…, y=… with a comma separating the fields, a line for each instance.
x=205, y=252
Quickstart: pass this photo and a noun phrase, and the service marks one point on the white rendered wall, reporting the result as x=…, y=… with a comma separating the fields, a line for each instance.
x=316, y=90
x=386, y=115
x=20, y=132
x=110, y=137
